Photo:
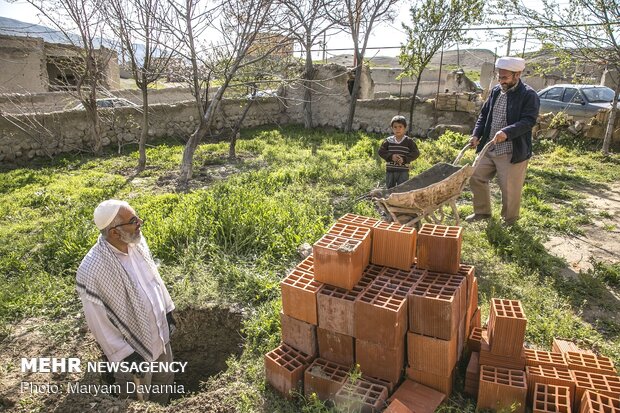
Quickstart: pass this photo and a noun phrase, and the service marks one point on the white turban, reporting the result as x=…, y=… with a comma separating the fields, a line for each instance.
x=513, y=64
x=107, y=211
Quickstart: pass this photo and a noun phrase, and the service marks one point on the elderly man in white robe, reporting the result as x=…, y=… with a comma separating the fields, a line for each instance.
x=126, y=304
x=506, y=119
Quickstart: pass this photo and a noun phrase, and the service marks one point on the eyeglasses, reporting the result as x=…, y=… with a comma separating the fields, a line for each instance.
x=132, y=221
x=505, y=77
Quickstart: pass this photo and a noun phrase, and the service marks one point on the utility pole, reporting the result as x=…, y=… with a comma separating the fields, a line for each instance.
x=509, y=42
x=524, y=42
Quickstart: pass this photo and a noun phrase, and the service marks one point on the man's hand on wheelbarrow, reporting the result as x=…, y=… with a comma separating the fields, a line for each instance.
x=499, y=137
x=473, y=142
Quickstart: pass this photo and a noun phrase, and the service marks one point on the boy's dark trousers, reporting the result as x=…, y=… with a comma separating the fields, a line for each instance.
x=393, y=178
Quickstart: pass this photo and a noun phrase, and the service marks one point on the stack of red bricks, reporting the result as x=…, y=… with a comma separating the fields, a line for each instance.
x=361, y=298
x=502, y=373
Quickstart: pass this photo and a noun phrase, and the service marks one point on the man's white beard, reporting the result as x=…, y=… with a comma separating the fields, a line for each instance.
x=130, y=239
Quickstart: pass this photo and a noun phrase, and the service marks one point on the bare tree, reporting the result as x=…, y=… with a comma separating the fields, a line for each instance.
x=240, y=24
x=306, y=21
x=434, y=24
x=84, y=18
x=588, y=28
x=146, y=44
x=359, y=17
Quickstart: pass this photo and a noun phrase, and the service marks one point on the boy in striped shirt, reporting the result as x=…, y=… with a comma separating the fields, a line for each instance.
x=398, y=151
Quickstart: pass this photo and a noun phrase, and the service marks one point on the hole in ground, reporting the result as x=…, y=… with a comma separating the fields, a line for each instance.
x=205, y=339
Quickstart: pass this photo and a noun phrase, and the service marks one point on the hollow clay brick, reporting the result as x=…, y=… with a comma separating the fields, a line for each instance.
x=336, y=347
x=599, y=383
x=362, y=396
x=592, y=402
x=417, y=397
x=439, y=248
x=562, y=346
x=431, y=355
x=469, y=272
x=474, y=339
x=336, y=307
x=472, y=305
x=590, y=362
x=359, y=220
x=508, y=362
x=472, y=375
x=476, y=319
x=393, y=245
x=545, y=358
x=441, y=383
x=299, y=334
x=380, y=361
x=506, y=329
x=413, y=274
x=387, y=384
x=501, y=388
x=557, y=376
x=551, y=399
x=359, y=233
x=381, y=311
x=284, y=369
x=324, y=378
x=434, y=305
x=338, y=261
x=299, y=291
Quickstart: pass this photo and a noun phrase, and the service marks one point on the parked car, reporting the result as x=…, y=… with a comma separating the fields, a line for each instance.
x=263, y=94
x=582, y=101
x=111, y=103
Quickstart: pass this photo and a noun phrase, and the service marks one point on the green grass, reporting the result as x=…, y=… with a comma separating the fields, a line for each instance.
x=232, y=239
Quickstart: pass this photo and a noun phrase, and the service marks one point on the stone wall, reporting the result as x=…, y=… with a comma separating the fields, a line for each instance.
x=23, y=137
x=23, y=64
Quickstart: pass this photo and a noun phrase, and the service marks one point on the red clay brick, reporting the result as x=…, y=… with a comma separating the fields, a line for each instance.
x=336, y=347
x=378, y=360
x=417, y=397
x=590, y=362
x=359, y=220
x=284, y=369
x=562, y=346
x=359, y=233
x=441, y=383
x=474, y=339
x=439, y=248
x=472, y=375
x=506, y=329
x=508, y=362
x=551, y=399
x=338, y=261
x=324, y=378
x=501, y=388
x=299, y=290
x=599, y=383
x=431, y=355
x=469, y=272
x=362, y=396
x=299, y=334
x=472, y=304
x=592, y=402
x=434, y=305
x=557, y=376
x=393, y=245
x=387, y=384
x=397, y=407
x=476, y=319
x=413, y=274
x=336, y=307
x=381, y=311
x=544, y=358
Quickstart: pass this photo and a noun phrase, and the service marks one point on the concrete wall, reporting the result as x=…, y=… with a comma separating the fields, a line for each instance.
x=22, y=65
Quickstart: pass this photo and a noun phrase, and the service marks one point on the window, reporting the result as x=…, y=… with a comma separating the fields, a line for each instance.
x=599, y=94
x=571, y=95
x=554, y=93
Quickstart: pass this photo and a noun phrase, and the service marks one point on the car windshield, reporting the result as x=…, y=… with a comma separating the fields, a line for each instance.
x=598, y=94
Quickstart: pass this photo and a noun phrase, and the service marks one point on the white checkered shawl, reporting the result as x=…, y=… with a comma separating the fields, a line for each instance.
x=102, y=279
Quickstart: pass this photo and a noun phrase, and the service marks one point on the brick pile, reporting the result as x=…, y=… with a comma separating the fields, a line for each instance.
x=503, y=373
x=394, y=301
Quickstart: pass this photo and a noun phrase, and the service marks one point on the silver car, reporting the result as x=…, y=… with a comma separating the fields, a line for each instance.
x=581, y=101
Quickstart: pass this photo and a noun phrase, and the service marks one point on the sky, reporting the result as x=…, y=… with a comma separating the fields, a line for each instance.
x=387, y=37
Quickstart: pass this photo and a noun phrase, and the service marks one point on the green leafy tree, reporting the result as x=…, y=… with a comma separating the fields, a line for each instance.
x=434, y=24
x=589, y=28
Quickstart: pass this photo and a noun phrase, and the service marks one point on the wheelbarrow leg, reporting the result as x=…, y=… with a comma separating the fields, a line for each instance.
x=455, y=211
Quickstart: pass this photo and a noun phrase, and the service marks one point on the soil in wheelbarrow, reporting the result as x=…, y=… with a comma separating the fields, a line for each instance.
x=436, y=173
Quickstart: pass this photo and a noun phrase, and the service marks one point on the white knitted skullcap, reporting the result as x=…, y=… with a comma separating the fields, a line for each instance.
x=513, y=64
x=107, y=211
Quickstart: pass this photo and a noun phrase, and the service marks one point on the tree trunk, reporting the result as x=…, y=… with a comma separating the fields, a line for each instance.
x=232, y=154
x=308, y=76
x=354, y=94
x=611, y=122
x=412, y=107
x=145, y=129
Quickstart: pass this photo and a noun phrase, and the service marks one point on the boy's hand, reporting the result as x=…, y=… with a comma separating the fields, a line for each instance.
x=397, y=159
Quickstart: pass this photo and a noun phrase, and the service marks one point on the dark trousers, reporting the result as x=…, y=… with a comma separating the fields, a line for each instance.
x=393, y=178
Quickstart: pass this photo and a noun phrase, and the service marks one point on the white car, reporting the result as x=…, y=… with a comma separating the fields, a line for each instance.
x=111, y=103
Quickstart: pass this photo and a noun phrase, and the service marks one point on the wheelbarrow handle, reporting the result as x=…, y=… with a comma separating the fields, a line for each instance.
x=478, y=157
x=460, y=155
